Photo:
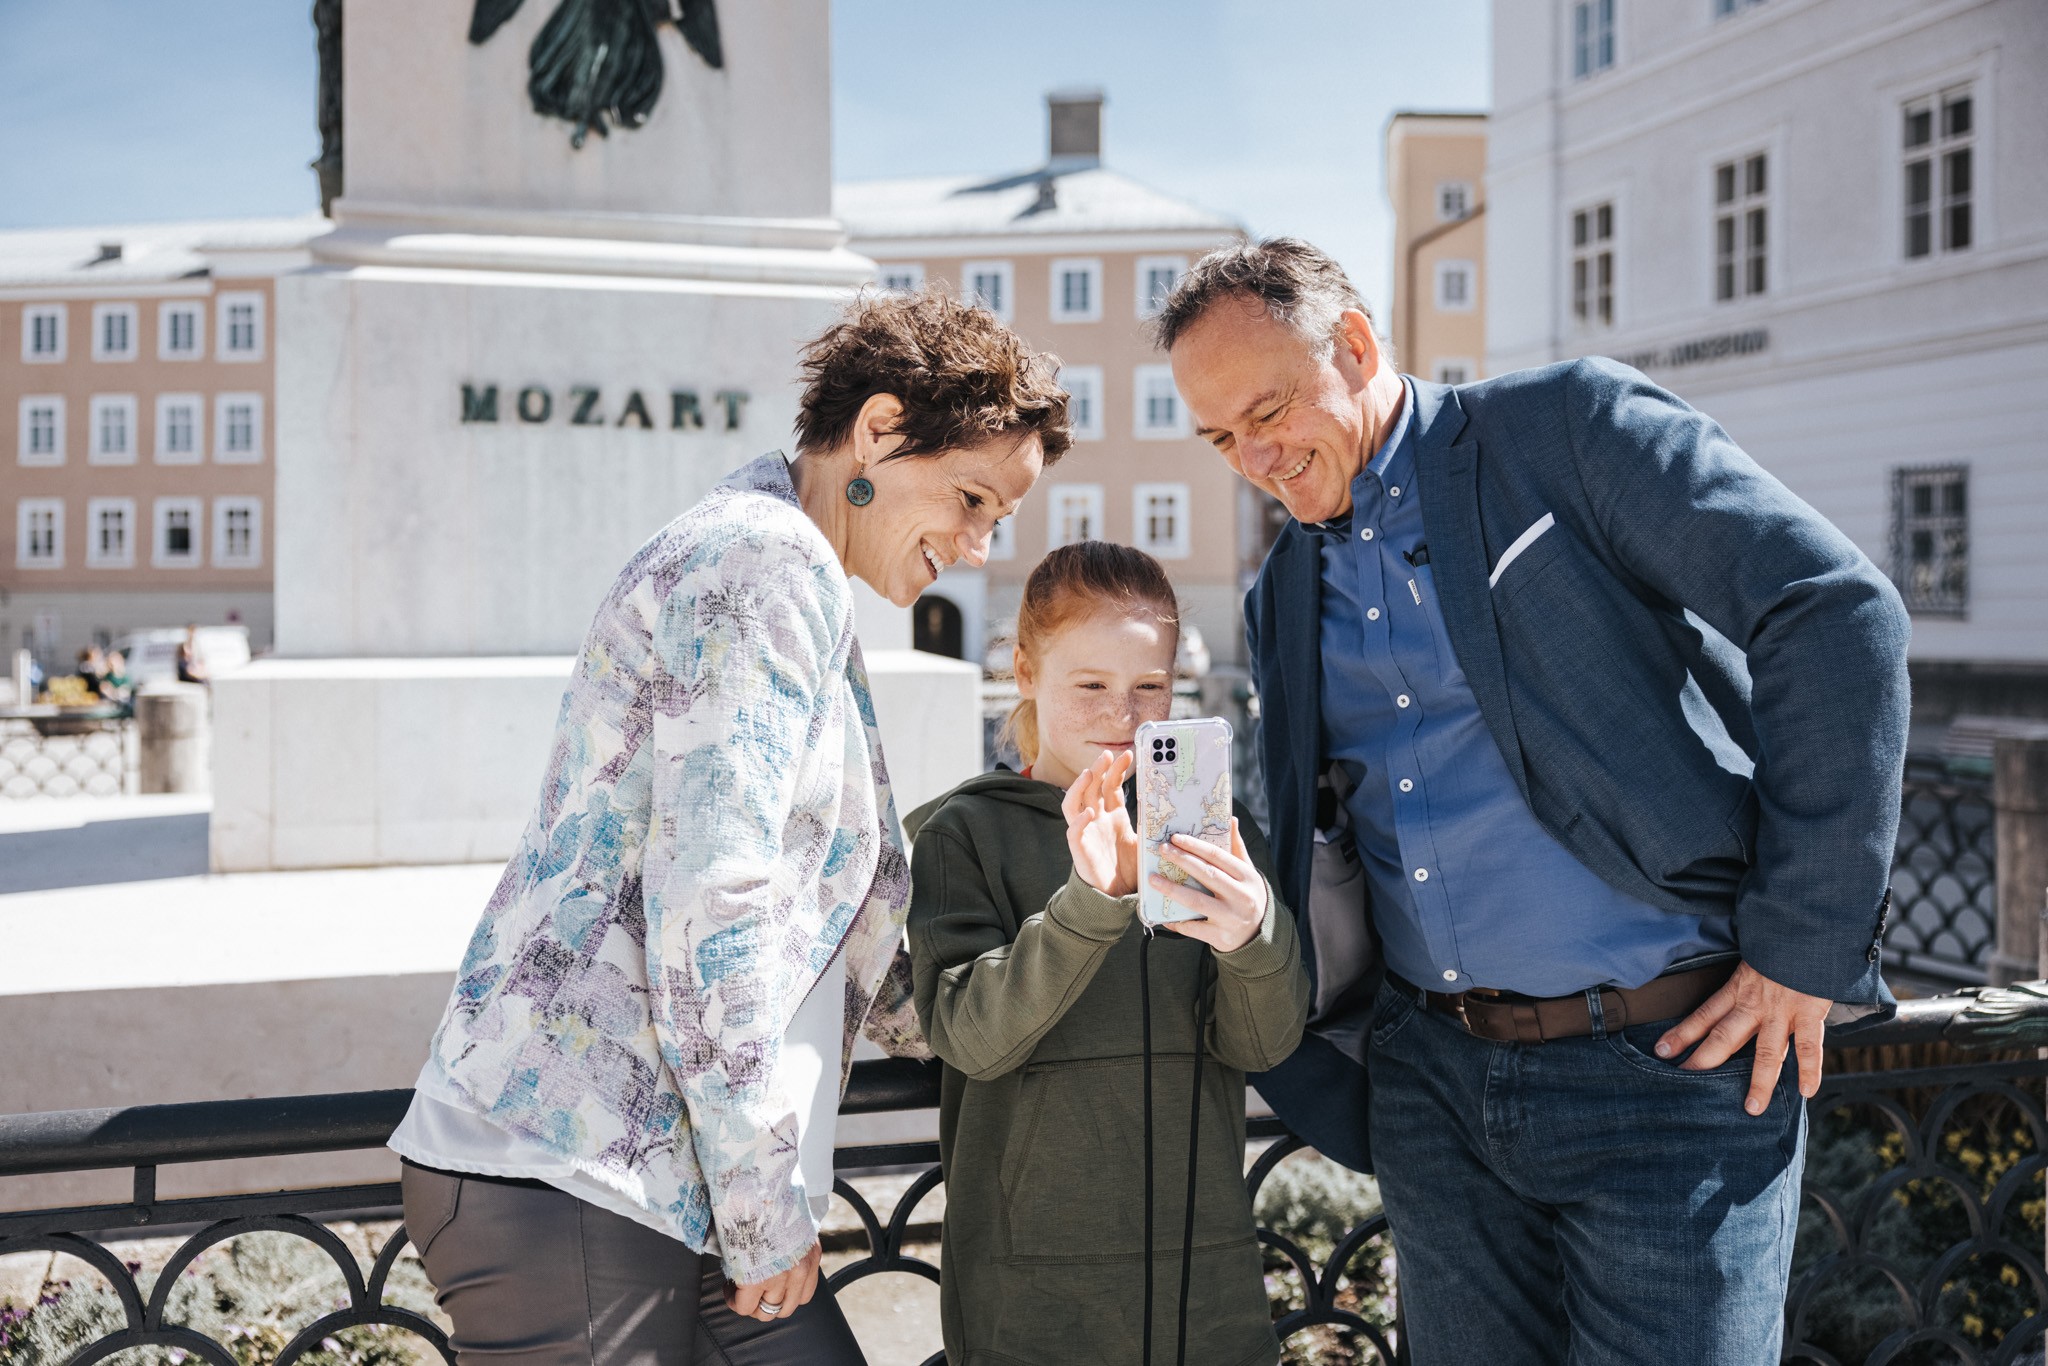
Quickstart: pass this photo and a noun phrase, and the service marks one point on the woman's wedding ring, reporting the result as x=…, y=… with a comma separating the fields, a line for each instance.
x=771, y=1308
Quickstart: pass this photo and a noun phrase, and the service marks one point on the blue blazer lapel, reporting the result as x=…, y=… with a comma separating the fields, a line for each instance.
x=1449, y=471
x=1298, y=635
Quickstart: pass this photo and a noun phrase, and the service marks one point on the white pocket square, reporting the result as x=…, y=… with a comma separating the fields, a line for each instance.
x=1521, y=543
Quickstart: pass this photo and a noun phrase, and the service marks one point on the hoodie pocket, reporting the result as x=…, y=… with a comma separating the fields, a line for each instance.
x=1073, y=1171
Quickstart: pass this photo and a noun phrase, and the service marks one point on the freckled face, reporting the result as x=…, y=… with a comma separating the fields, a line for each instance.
x=1096, y=680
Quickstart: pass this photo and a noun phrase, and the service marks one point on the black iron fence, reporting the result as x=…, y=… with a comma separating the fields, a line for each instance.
x=1944, y=878
x=1921, y=1238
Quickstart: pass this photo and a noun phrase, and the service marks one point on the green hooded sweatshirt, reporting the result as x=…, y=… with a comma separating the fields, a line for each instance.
x=1027, y=987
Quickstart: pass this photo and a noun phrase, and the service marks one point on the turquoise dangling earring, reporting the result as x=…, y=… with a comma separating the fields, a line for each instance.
x=860, y=492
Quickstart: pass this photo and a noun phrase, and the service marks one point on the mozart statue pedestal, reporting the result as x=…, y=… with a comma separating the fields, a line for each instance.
x=512, y=361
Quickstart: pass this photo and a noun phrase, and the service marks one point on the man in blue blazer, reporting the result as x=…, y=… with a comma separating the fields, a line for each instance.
x=1583, y=741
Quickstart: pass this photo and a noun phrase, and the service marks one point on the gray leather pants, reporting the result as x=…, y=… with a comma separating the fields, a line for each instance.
x=539, y=1278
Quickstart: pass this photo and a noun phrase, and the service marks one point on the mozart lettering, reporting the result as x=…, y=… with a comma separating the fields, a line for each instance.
x=586, y=405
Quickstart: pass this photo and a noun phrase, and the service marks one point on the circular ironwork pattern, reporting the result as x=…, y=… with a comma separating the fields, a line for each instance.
x=145, y=1324
x=1944, y=918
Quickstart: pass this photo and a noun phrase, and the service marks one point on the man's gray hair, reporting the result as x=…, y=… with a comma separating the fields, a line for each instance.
x=1295, y=283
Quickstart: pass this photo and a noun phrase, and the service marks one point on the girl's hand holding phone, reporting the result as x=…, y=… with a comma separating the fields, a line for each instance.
x=1232, y=899
x=1099, y=833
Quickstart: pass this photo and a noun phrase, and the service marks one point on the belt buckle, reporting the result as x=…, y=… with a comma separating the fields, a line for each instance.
x=1487, y=995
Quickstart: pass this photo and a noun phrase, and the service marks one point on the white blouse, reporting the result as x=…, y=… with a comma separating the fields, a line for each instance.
x=437, y=1134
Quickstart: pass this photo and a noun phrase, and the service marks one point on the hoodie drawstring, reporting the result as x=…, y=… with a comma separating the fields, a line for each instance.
x=1187, y=1239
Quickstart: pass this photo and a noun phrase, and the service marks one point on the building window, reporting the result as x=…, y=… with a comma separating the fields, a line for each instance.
x=1455, y=371
x=1931, y=538
x=238, y=428
x=1453, y=200
x=992, y=285
x=39, y=533
x=1076, y=515
x=1083, y=384
x=180, y=332
x=1741, y=228
x=1160, y=415
x=1157, y=275
x=1002, y=542
x=901, y=277
x=177, y=429
x=1076, y=291
x=237, y=533
x=177, y=532
x=113, y=332
x=1455, y=290
x=1592, y=37
x=110, y=533
x=1724, y=8
x=41, y=437
x=1940, y=138
x=1159, y=519
x=42, y=333
x=241, y=326
x=1593, y=266
x=113, y=430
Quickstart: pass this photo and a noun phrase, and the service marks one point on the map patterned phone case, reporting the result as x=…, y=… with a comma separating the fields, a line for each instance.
x=1183, y=776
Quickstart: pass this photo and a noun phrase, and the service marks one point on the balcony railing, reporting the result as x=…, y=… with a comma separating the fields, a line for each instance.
x=1921, y=1236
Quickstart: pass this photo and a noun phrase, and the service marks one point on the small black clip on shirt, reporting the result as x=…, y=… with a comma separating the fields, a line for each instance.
x=1417, y=557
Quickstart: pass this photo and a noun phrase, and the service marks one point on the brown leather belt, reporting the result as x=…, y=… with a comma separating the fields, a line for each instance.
x=1504, y=1017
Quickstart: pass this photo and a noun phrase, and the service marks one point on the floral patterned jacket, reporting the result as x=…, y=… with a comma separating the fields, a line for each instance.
x=715, y=824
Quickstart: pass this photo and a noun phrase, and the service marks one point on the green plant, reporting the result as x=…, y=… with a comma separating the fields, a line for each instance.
x=252, y=1294
x=1314, y=1202
x=1852, y=1148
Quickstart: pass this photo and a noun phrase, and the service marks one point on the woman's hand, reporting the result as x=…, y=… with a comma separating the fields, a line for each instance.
x=778, y=1296
x=1233, y=900
x=1099, y=833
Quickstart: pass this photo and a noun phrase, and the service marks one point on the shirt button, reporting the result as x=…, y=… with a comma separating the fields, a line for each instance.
x=1402, y=700
x=1407, y=784
x=1394, y=492
x=1366, y=534
x=1422, y=874
x=1372, y=614
x=1450, y=974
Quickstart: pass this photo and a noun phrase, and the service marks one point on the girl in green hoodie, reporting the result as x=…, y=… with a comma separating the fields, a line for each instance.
x=1026, y=952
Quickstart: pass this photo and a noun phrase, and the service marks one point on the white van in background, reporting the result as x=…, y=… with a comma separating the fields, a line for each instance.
x=153, y=655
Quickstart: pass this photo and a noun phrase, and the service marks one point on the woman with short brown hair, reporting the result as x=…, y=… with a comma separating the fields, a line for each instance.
x=621, y=1143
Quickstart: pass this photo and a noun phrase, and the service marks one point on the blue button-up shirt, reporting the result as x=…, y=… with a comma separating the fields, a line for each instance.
x=1468, y=889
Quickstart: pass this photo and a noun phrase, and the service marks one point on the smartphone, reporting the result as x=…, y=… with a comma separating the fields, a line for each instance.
x=1183, y=776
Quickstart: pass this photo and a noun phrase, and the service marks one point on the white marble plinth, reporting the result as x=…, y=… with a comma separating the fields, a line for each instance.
x=436, y=121
x=330, y=763
x=335, y=763
x=929, y=711
x=411, y=525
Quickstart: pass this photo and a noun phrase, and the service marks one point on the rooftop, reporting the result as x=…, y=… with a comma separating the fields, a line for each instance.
x=142, y=253
x=1090, y=200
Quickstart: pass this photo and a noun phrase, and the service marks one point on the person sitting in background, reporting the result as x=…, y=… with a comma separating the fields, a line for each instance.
x=116, y=684
x=92, y=667
x=191, y=668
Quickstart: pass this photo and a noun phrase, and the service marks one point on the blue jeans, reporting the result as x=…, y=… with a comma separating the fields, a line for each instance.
x=1580, y=1201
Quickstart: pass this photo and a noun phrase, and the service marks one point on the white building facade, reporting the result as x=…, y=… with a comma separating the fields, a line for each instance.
x=1825, y=223
x=1077, y=257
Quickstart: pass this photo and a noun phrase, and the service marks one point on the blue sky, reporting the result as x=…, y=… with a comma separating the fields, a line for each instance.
x=1270, y=110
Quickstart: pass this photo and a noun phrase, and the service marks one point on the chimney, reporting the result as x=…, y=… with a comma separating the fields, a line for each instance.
x=1074, y=119
x=109, y=251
